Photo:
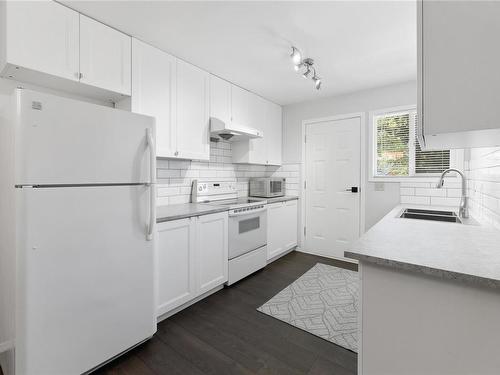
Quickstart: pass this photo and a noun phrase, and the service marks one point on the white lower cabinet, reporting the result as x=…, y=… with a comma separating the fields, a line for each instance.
x=281, y=227
x=175, y=264
x=212, y=255
x=192, y=259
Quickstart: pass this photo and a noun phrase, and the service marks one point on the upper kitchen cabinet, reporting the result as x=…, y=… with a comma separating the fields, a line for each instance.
x=273, y=134
x=105, y=56
x=50, y=45
x=176, y=94
x=153, y=93
x=39, y=37
x=193, y=123
x=458, y=76
x=220, y=99
x=265, y=116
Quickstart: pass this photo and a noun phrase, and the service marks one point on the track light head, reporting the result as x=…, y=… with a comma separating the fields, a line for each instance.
x=307, y=73
x=317, y=82
x=296, y=56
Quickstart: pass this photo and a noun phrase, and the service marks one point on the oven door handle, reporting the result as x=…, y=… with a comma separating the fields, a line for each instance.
x=246, y=213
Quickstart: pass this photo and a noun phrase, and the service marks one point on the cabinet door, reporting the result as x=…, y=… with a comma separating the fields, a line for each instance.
x=290, y=224
x=105, y=56
x=212, y=250
x=275, y=230
x=240, y=106
x=258, y=147
x=459, y=77
x=220, y=99
x=153, y=92
x=193, y=140
x=176, y=252
x=273, y=134
x=43, y=36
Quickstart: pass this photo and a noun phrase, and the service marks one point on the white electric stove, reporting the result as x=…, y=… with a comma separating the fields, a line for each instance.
x=247, y=226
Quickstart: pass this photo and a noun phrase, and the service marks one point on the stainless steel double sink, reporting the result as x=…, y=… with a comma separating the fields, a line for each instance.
x=433, y=215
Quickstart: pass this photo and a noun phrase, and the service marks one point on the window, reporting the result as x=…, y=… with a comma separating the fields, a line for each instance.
x=396, y=151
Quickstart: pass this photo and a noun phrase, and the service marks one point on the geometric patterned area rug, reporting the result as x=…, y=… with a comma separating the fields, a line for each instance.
x=323, y=301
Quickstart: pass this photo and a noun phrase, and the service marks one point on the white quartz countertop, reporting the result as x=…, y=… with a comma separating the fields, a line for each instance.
x=468, y=252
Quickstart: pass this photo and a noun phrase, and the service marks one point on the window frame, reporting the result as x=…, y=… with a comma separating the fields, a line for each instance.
x=456, y=156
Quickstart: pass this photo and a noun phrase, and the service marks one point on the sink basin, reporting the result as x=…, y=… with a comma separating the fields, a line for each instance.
x=433, y=215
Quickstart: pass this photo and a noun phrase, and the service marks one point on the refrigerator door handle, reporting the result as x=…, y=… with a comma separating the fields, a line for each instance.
x=152, y=182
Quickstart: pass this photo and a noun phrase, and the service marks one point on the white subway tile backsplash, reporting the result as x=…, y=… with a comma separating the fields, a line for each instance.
x=440, y=201
x=415, y=200
x=415, y=184
x=454, y=193
x=483, y=180
x=407, y=191
x=431, y=192
x=167, y=173
x=175, y=176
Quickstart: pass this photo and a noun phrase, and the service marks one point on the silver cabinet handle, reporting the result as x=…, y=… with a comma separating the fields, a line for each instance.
x=152, y=183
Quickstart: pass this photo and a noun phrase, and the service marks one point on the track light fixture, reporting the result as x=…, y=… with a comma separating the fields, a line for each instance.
x=317, y=81
x=296, y=56
x=307, y=63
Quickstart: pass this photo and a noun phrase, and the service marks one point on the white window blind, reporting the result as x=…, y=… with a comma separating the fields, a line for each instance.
x=397, y=151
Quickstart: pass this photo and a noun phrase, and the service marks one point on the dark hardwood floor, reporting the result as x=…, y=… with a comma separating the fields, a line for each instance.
x=224, y=334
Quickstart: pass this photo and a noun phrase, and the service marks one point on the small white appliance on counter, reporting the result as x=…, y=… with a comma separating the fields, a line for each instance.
x=247, y=226
x=77, y=198
x=267, y=187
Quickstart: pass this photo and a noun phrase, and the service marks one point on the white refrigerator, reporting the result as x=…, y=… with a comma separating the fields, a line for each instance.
x=77, y=219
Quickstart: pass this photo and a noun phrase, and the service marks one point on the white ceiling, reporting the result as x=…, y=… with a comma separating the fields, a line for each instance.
x=356, y=45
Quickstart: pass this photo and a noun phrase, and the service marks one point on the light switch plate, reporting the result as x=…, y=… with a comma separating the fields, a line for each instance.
x=379, y=186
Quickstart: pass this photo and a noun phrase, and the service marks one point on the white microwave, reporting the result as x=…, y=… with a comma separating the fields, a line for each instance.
x=267, y=187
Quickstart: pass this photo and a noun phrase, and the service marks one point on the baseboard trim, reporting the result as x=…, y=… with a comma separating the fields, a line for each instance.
x=293, y=248
x=349, y=260
x=168, y=314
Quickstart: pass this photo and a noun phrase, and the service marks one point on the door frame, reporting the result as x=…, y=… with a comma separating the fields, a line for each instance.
x=362, y=180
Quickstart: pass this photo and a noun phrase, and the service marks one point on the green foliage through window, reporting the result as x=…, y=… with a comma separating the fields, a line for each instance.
x=398, y=153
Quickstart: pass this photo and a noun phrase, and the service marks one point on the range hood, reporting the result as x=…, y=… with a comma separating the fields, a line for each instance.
x=231, y=131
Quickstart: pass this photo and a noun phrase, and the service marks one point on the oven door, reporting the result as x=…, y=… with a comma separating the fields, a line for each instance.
x=247, y=231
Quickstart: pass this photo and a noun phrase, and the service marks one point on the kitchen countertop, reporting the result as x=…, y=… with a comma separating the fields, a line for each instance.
x=465, y=252
x=182, y=211
x=278, y=199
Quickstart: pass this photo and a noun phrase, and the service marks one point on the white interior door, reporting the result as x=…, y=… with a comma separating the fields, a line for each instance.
x=332, y=211
x=85, y=276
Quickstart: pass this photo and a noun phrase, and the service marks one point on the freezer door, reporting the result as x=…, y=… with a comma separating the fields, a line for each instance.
x=65, y=141
x=85, y=286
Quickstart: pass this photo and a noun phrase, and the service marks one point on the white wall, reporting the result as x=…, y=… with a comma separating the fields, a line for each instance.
x=380, y=197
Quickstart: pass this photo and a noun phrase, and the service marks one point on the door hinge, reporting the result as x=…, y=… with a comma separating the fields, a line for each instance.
x=305, y=184
x=304, y=231
x=305, y=138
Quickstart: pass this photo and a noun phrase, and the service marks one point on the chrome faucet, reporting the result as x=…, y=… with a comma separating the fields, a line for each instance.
x=464, y=201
